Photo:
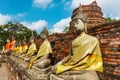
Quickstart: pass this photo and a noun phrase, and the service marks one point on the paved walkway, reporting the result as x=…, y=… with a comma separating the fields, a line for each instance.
x=3, y=72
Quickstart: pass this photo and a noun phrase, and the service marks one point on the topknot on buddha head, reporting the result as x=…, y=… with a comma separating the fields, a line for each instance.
x=80, y=15
x=44, y=33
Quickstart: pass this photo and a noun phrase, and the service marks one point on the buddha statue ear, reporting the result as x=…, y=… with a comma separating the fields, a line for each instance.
x=85, y=27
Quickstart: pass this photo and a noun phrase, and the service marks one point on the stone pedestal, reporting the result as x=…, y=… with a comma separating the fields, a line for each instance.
x=75, y=75
x=20, y=67
x=39, y=74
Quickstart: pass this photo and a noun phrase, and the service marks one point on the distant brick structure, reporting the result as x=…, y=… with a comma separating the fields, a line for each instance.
x=92, y=12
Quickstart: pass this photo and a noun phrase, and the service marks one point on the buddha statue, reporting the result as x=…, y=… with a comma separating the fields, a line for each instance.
x=13, y=43
x=8, y=45
x=41, y=60
x=32, y=48
x=24, y=48
x=85, y=56
x=7, y=48
x=18, y=48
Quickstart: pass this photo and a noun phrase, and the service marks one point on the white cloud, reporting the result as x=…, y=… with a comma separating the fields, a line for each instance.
x=42, y=3
x=37, y=25
x=4, y=19
x=59, y=26
x=21, y=14
x=110, y=8
x=75, y=3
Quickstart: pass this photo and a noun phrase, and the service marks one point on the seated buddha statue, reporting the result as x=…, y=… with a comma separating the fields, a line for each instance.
x=7, y=48
x=41, y=60
x=13, y=43
x=32, y=48
x=18, y=48
x=85, y=55
x=8, y=45
x=24, y=48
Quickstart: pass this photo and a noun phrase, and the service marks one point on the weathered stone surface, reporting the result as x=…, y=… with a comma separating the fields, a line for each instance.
x=75, y=75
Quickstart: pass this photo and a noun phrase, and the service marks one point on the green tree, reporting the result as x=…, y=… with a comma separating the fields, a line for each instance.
x=66, y=29
x=108, y=20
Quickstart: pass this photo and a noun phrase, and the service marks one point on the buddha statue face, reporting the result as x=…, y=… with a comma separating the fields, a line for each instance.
x=79, y=25
x=43, y=36
x=24, y=42
x=32, y=40
x=8, y=40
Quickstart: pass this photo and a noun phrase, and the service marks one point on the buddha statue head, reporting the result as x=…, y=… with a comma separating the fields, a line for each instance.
x=32, y=38
x=24, y=40
x=8, y=40
x=44, y=33
x=13, y=37
x=80, y=21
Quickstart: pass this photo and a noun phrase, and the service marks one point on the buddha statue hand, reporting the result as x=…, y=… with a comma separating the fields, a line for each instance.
x=59, y=63
x=54, y=68
x=43, y=64
x=30, y=65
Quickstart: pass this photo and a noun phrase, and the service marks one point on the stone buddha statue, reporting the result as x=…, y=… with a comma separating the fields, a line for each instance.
x=24, y=47
x=32, y=48
x=41, y=60
x=7, y=47
x=85, y=56
x=13, y=43
x=18, y=48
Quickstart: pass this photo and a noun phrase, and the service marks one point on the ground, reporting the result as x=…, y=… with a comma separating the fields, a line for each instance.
x=4, y=72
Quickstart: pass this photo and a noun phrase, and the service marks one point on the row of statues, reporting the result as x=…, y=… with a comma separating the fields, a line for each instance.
x=85, y=54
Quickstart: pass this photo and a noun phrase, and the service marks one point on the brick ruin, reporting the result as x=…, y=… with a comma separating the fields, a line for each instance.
x=92, y=12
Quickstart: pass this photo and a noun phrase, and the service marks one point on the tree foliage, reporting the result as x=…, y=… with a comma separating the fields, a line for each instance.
x=108, y=20
x=66, y=29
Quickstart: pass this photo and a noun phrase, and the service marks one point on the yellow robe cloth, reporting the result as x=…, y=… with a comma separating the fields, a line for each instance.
x=19, y=50
x=24, y=47
x=13, y=44
x=44, y=49
x=32, y=48
x=86, y=55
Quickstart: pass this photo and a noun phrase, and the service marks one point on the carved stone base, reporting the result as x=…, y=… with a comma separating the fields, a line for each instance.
x=75, y=75
x=39, y=74
x=23, y=71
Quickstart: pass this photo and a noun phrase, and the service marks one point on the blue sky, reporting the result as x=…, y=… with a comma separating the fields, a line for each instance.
x=54, y=14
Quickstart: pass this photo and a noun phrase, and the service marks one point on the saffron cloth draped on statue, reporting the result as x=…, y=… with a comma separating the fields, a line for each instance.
x=86, y=55
x=44, y=49
x=31, y=49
